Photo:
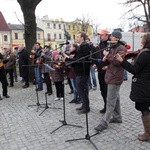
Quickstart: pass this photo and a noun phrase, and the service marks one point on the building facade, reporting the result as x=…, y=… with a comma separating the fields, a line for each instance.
x=18, y=35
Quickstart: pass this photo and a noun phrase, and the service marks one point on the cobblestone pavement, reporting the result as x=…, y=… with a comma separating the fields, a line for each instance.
x=24, y=127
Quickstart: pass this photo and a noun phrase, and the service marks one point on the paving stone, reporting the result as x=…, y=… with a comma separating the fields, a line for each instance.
x=23, y=128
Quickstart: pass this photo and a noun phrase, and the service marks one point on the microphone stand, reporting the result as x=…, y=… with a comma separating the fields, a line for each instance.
x=64, y=122
x=87, y=136
x=37, y=96
x=46, y=104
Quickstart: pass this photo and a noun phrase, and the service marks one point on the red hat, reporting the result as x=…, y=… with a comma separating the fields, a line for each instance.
x=104, y=31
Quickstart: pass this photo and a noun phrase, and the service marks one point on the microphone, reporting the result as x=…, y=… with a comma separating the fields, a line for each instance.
x=64, y=43
x=98, y=60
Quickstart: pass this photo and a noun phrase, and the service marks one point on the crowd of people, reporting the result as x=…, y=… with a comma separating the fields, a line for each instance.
x=79, y=62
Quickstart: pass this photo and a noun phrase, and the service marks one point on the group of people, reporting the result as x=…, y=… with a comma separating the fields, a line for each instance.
x=108, y=57
x=110, y=61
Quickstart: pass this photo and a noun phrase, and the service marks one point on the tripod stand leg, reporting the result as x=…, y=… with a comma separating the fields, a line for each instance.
x=65, y=123
x=87, y=137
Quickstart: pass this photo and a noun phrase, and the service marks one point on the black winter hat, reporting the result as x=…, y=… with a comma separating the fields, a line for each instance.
x=46, y=46
x=117, y=34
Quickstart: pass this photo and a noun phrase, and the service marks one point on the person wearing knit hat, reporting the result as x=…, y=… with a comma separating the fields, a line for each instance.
x=117, y=34
x=114, y=78
x=54, y=53
x=57, y=76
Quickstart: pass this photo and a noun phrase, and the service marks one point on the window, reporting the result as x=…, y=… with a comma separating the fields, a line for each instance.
x=68, y=27
x=38, y=36
x=59, y=26
x=74, y=37
x=55, y=36
x=23, y=36
x=59, y=36
x=5, y=38
x=54, y=26
x=73, y=27
x=16, y=35
x=48, y=37
x=48, y=25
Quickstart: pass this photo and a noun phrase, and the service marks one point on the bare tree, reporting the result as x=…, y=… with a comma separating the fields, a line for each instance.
x=96, y=27
x=28, y=9
x=136, y=19
x=85, y=22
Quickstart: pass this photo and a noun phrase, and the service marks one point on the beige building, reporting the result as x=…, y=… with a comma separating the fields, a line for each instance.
x=17, y=35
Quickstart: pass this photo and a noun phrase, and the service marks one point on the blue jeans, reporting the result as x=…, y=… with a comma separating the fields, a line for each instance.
x=125, y=75
x=73, y=83
x=38, y=76
x=82, y=84
x=92, y=75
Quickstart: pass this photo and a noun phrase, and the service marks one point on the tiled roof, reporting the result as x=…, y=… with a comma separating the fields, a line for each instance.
x=20, y=27
x=3, y=24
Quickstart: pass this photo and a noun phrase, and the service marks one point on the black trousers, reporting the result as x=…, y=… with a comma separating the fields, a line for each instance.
x=11, y=75
x=4, y=82
x=48, y=82
x=82, y=85
x=103, y=87
x=59, y=89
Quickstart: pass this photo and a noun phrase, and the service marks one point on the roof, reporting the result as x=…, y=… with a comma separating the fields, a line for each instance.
x=20, y=27
x=3, y=24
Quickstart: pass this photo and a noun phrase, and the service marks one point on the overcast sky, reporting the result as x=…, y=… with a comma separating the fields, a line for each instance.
x=107, y=13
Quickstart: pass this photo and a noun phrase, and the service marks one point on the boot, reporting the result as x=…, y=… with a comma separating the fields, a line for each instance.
x=146, y=123
x=1, y=98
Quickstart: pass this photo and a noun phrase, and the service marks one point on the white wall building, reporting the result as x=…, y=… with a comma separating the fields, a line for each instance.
x=53, y=30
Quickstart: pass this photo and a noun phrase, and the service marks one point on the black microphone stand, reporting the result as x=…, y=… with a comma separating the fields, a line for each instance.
x=87, y=136
x=46, y=104
x=64, y=122
x=82, y=59
x=37, y=96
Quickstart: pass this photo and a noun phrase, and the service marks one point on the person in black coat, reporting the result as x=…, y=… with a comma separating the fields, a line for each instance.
x=23, y=60
x=3, y=79
x=100, y=65
x=82, y=71
x=140, y=88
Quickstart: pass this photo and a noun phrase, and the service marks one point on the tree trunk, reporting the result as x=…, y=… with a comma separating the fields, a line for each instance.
x=28, y=9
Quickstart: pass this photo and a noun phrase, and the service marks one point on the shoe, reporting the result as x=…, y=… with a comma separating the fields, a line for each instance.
x=94, y=88
x=79, y=108
x=57, y=98
x=102, y=111
x=25, y=86
x=71, y=92
x=100, y=128
x=78, y=102
x=11, y=85
x=61, y=98
x=73, y=101
x=39, y=89
x=112, y=120
x=49, y=93
x=83, y=111
x=6, y=96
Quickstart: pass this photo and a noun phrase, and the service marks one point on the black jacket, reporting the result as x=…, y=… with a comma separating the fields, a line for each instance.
x=140, y=89
x=79, y=59
x=23, y=60
x=98, y=54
